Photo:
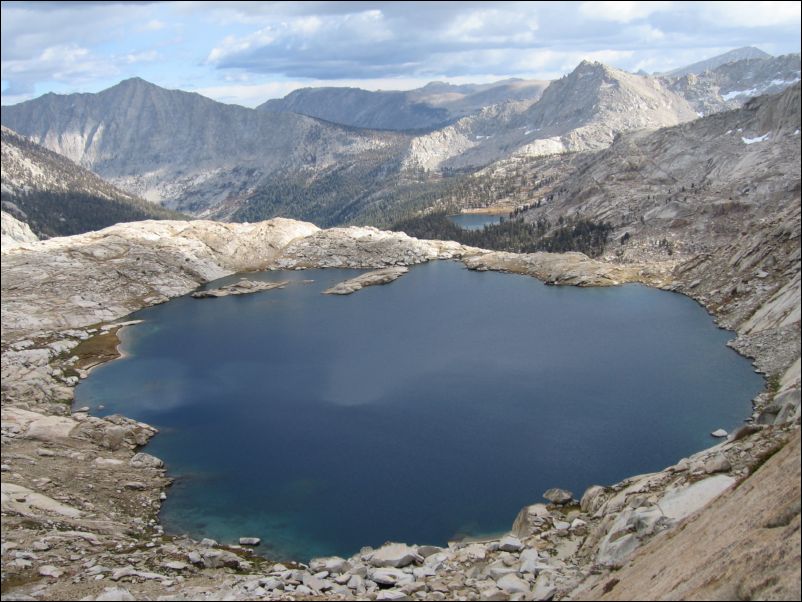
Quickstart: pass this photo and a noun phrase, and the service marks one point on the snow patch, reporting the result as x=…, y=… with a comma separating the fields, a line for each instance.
x=753, y=140
x=757, y=91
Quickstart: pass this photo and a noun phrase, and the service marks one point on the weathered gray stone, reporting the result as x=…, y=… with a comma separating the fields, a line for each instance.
x=530, y=561
x=717, y=463
x=592, y=499
x=558, y=496
x=115, y=594
x=48, y=570
x=679, y=503
x=395, y=555
x=392, y=594
x=429, y=550
x=243, y=287
x=613, y=553
x=390, y=576
x=492, y=594
x=332, y=564
x=143, y=460
x=512, y=584
x=249, y=541
x=213, y=558
x=176, y=565
x=531, y=519
x=315, y=583
x=510, y=543
x=544, y=588
x=381, y=276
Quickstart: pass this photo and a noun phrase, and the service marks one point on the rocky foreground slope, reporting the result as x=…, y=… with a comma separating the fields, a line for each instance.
x=80, y=503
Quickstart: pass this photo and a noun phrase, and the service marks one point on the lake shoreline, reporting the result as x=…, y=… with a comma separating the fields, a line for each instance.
x=234, y=538
x=754, y=448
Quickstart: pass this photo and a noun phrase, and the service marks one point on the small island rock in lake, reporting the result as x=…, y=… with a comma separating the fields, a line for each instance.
x=243, y=287
x=381, y=276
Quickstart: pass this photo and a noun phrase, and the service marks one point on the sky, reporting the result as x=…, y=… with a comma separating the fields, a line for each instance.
x=248, y=52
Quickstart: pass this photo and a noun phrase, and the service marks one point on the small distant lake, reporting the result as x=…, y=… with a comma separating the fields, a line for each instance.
x=430, y=408
x=474, y=221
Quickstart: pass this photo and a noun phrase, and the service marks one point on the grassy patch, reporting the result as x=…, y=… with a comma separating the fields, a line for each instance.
x=96, y=350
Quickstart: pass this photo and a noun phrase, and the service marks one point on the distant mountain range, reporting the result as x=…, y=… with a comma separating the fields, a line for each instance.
x=434, y=105
x=733, y=56
x=729, y=85
x=210, y=159
x=583, y=110
x=184, y=150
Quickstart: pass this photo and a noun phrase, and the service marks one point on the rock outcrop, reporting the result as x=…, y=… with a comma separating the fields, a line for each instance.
x=15, y=232
x=241, y=287
x=381, y=276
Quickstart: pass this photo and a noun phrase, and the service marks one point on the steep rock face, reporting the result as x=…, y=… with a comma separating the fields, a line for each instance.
x=182, y=147
x=14, y=232
x=57, y=197
x=583, y=110
x=746, y=545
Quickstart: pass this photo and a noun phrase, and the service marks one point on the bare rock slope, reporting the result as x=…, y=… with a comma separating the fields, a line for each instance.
x=583, y=110
x=56, y=197
x=15, y=232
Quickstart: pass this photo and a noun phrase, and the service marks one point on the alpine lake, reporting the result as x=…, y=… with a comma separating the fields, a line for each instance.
x=430, y=409
x=475, y=221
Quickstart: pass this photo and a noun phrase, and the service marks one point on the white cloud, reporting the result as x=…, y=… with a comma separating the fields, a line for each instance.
x=155, y=25
x=493, y=26
x=645, y=33
x=224, y=44
x=621, y=11
x=752, y=14
x=145, y=56
x=299, y=32
x=64, y=63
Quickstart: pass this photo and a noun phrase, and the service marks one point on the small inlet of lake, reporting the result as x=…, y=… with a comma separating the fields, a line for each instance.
x=474, y=221
x=431, y=408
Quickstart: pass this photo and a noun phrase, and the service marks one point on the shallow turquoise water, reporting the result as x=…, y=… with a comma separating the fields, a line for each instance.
x=429, y=408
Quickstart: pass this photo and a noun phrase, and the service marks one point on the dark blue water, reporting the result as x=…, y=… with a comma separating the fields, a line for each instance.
x=428, y=408
x=474, y=221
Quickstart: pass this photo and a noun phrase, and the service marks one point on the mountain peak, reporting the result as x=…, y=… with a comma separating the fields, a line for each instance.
x=587, y=67
x=135, y=82
x=738, y=54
